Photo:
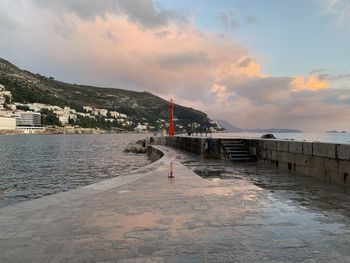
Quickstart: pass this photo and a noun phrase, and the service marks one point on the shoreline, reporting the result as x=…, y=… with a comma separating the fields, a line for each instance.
x=65, y=131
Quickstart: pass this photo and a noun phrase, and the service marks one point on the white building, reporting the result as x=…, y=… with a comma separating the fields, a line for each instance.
x=141, y=127
x=114, y=114
x=88, y=108
x=128, y=123
x=3, y=95
x=102, y=112
x=7, y=123
x=37, y=106
x=12, y=107
x=29, y=119
x=73, y=116
x=83, y=114
x=6, y=93
x=64, y=119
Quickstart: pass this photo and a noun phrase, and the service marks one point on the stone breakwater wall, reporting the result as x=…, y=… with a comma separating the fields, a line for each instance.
x=326, y=161
x=153, y=153
x=194, y=145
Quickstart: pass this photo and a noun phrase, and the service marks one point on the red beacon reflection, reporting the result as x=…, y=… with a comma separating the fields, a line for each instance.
x=171, y=177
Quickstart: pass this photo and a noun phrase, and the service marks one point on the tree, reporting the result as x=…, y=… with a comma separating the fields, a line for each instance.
x=71, y=121
x=49, y=118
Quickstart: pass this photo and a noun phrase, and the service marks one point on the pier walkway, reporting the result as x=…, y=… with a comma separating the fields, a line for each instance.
x=148, y=217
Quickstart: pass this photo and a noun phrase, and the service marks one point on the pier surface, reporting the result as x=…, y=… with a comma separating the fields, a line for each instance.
x=267, y=215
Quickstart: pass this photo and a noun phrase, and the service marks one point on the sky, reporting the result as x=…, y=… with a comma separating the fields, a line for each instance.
x=254, y=63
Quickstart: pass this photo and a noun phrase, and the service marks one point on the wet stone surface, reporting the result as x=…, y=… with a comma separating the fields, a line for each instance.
x=234, y=213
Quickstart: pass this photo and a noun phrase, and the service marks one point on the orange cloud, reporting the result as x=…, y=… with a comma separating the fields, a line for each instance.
x=309, y=83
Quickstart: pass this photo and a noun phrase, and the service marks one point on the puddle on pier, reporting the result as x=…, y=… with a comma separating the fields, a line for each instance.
x=282, y=187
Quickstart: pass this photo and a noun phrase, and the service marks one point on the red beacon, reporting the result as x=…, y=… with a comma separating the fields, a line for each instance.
x=171, y=126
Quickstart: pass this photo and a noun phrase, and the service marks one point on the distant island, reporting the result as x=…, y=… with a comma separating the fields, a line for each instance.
x=229, y=127
x=336, y=132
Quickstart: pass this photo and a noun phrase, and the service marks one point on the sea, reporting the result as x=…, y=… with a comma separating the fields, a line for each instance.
x=342, y=138
x=32, y=166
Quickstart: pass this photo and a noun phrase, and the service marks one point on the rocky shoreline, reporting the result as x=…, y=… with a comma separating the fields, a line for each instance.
x=62, y=130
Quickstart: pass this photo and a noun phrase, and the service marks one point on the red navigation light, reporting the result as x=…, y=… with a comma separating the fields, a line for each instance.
x=171, y=126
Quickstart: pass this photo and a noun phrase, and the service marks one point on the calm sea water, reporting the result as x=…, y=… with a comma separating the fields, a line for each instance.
x=32, y=166
x=309, y=137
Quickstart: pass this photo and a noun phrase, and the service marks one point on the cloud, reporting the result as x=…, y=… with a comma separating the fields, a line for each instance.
x=161, y=34
x=252, y=20
x=106, y=46
x=228, y=21
x=329, y=75
x=111, y=36
x=309, y=83
x=181, y=59
x=147, y=13
x=7, y=22
x=339, y=9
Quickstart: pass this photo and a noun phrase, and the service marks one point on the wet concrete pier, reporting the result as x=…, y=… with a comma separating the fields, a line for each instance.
x=167, y=213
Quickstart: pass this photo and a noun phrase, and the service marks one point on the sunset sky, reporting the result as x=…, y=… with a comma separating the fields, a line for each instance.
x=254, y=63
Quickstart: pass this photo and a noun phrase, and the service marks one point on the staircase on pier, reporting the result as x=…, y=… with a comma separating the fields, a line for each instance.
x=236, y=150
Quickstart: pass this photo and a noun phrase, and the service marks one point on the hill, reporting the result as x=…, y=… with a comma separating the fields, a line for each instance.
x=229, y=126
x=232, y=128
x=140, y=107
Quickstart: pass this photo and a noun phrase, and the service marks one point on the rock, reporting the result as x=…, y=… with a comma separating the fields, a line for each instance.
x=268, y=136
x=135, y=148
x=141, y=142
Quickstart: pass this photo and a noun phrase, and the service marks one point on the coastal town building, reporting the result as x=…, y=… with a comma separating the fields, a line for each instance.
x=114, y=114
x=5, y=97
x=88, y=108
x=102, y=112
x=141, y=127
x=29, y=119
x=7, y=123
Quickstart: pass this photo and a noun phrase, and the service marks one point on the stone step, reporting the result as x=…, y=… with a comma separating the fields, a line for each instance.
x=238, y=152
x=236, y=148
x=235, y=145
x=239, y=155
x=233, y=142
x=245, y=159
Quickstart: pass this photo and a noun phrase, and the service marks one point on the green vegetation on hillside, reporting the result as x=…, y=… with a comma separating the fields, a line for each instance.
x=141, y=107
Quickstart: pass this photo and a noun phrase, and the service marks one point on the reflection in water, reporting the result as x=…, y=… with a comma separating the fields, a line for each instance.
x=171, y=177
x=289, y=189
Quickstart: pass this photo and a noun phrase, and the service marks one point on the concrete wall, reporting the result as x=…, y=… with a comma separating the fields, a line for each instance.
x=153, y=153
x=194, y=145
x=7, y=123
x=326, y=161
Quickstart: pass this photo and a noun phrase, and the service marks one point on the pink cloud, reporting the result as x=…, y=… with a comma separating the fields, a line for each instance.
x=173, y=58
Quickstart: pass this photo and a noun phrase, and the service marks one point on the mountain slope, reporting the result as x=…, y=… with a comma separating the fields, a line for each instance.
x=232, y=128
x=229, y=127
x=27, y=87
